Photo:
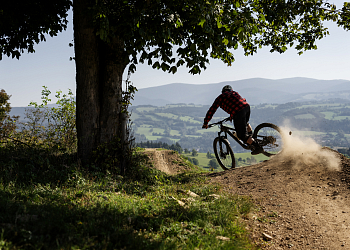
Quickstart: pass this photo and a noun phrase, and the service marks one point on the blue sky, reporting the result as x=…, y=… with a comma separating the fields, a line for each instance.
x=50, y=66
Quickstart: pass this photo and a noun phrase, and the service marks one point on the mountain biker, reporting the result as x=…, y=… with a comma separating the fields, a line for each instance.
x=238, y=108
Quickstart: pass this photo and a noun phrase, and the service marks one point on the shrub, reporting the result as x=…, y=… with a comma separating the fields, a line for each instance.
x=7, y=123
x=51, y=127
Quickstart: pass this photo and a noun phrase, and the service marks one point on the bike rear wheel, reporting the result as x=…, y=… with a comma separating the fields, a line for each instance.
x=223, y=153
x=269, y=137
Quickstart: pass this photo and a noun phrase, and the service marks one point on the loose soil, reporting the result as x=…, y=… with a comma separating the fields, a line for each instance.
x=166, y=161
x=299, y=206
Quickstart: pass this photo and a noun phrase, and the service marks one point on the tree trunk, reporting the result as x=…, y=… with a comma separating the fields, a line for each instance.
x=99, y=71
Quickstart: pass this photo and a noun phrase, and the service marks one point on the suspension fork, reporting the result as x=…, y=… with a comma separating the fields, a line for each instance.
x=220, y=142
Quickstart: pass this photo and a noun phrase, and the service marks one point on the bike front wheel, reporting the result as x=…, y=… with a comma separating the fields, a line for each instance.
x=223, y=153
x=269, y=138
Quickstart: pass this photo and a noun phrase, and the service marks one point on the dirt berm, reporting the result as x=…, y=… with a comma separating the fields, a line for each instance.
x=303, y=198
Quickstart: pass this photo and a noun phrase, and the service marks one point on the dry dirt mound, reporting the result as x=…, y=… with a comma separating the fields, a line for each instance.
x=303, y=204
x=167, y=161
x=303, y=196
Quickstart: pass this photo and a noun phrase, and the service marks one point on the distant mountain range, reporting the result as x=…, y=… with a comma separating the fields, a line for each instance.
x=255, y=90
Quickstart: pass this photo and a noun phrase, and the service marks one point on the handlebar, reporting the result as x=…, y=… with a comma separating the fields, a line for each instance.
x=220, y=122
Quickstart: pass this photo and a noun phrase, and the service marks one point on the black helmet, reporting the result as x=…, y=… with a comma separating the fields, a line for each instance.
x=226, y=88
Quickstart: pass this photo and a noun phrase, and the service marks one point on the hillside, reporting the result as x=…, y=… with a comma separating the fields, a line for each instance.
x=255, y=90
x=327, y=122
x=303, y=206
x=302, y=197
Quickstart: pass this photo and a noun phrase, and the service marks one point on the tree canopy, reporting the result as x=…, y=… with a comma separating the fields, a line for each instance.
x=168, y=34
x=198, y=29
x=24, y=23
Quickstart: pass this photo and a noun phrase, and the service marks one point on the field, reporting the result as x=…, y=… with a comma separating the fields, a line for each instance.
x=204, y=161
x=325, y=122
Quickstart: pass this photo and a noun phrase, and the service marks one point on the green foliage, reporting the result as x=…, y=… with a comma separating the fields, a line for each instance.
x=49, y=202
x=4, y=105
x=113, y=156
x=195, y=161
x=128, y=95
x=159, y=144
x=199, y=29
x=7, y=123
x=344, y=151
x=344, y=16
x=22, y=25
x=209, y=155
x=251, y=160
x=53, y=127
x=211, y=29
x=194, y=152
x=213, y=164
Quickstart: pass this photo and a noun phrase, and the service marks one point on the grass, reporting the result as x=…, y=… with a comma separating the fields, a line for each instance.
x=153, y=118
x=328, y=115
x=168, y=115
x=304, y=116
x=153, y=137
x=333, y=105
x=158, y=130
x=52, y=203
x=174, y=132
x=146, y=109
x=189, y=119
x=339, y=118
x=204, y=161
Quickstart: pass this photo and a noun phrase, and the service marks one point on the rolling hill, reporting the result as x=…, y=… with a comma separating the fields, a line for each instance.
x=255, y=90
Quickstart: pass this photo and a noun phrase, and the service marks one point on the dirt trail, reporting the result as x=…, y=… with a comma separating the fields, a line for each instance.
x=302, y=204
x=165, y=160
x=301, y=208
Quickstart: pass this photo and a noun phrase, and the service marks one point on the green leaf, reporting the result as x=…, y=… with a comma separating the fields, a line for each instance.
x=201, y=23
x=195, y=70
x=262, y=17
x=219, y=24
x=165, y=66
x=255, y=29
x=132, y=68
x=173, y=69
x=180, y=63
x=156, y=65
x=225, y=41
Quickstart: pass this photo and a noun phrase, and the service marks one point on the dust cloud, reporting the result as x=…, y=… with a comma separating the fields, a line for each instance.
x=303, y=152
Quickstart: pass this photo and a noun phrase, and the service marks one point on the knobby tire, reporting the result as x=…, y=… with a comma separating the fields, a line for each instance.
x=225, y=157
x=269, y=137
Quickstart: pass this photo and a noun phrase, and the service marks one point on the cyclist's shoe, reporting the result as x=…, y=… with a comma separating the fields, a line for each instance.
x=257, y=149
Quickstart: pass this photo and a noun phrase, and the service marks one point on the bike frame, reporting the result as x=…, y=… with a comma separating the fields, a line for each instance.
x=227, y=130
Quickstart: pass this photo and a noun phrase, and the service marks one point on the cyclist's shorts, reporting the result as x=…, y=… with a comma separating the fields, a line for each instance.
x=240, y=120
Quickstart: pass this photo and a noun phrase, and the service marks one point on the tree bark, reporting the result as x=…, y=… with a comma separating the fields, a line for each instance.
x=99, y=71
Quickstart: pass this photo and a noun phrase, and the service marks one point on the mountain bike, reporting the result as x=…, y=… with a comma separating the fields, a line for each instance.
x=267, y=135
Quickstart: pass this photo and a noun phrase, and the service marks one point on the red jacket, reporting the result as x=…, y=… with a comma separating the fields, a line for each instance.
x=229, y=101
